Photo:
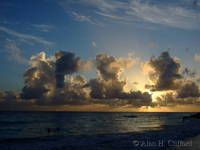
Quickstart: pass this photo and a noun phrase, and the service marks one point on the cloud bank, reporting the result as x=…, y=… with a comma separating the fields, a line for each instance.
x=57, y=80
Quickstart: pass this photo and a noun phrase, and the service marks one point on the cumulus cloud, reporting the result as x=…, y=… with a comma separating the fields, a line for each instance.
x=72, y=93
x=11, y=100
x=187, y=93
x=8, y=95
x=171, y=100
x=165, y=72
x=188, y=89
x=109, y=68
x=39, y=77
x=112, y=93
x=46, y=81
x=109, y=89
x=67, y=63
x=166, y=76
x=57, y=80
x=105, y=89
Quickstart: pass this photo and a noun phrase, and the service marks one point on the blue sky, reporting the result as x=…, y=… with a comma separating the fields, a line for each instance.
x=88, y=27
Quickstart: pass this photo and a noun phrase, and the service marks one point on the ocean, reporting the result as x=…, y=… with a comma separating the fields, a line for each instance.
x=16, y=125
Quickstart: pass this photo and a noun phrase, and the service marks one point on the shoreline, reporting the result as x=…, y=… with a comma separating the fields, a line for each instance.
x=195, y=144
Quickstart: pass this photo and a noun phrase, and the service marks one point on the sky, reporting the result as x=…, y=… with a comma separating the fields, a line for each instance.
x=100, y=55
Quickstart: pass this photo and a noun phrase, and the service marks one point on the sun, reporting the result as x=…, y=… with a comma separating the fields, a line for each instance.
x=157, y=94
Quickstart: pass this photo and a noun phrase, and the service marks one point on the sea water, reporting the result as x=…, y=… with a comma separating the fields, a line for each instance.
x=18, y=124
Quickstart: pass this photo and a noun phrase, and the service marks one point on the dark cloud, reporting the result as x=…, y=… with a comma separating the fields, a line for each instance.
x=112, y=93
x=108, y=84
x=138, y=98
x=55, y=81
x=33, y=92
x=187, y=93
x=43, y=78
x=171, y=99
x=106, y=89
x=11, y=100
x=149, y=86
x=128, y=99
x=109, y=89
x=66, y=63
x=106, y=66
x=166, y=72
x=189, y=89
x=38, y=78
x=189, y=73
x=71, y=94
x=8, y=96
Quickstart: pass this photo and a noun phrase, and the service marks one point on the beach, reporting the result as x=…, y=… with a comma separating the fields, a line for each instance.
x=195, y=144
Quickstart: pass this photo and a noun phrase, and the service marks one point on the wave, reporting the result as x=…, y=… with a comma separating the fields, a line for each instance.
x=12, y=122
x=146, y=140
